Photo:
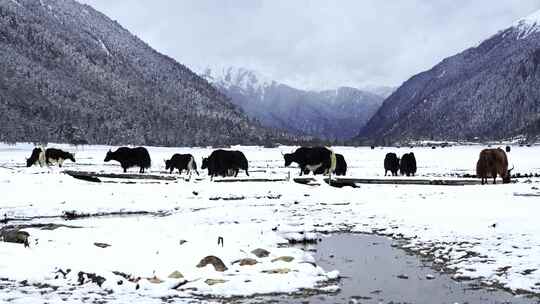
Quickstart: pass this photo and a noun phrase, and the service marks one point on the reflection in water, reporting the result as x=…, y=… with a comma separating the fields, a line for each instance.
x=375, y=272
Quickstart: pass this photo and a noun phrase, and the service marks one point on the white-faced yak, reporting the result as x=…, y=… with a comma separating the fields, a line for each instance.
x=181, y=162
x=312, y=159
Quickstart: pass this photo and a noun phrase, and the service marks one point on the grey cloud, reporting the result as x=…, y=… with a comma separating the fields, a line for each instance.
x=316, y=44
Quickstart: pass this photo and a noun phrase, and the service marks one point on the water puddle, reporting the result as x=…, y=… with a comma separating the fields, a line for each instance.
x=375, y=272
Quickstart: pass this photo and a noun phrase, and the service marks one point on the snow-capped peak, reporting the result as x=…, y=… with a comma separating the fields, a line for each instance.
x=528, y=25
x=241, y=78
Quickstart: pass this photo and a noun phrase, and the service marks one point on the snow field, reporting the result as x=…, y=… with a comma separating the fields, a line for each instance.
x=487, y=232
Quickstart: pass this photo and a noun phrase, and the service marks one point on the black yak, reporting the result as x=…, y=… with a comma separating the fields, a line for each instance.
x=407, y=164
x=130, y=157
x=391, y=163
x=225, y=163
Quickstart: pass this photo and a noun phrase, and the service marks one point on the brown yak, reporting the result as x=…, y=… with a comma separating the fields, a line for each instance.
x=492, y=162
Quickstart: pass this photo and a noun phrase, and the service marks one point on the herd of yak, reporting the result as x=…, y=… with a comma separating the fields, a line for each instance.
x=319, y=160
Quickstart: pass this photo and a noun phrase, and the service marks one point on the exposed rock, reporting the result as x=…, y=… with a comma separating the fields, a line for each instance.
x=102, y=245
x=214, y=281
x=86, y=277
x=15, y=236
x=155, y=280
x=214, y=261
x=287, y=259
x=246, y=262
x=402, y=276
x=176, y=275
x=277, y=271
x=260, y=253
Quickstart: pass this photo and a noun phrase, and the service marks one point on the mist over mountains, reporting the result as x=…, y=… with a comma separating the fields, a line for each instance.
x=329, y=114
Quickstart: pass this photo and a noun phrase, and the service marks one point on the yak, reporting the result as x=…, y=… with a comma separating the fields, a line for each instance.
x=340, y=170
x=130, y=157
x=181, y=162
x=37, y=156
x=225, y=163
x=407, y=164
x=48, y=157
x=314, y=159
x=493, y=162
x=391, y=163
x=58, y=156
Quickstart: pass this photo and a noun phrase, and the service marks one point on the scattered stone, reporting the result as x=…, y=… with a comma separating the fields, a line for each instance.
x=277, y=271
x=155, y=280
x=261, y=253
x=430, y=277
x=182, y=242
x=528, y=271
x=214, y=281
x=403, y=277
x=102, y=245
x=15, y=236
x=85, y=277
x=246, y=262
x=176, y=275
x=214, y=261
x=357, y=298
x=287, y=259
x=62, y=272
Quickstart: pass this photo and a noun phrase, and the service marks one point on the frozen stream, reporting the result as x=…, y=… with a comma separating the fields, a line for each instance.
x=374, y=271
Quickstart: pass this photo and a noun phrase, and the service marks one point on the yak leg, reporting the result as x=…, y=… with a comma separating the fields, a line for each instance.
x=247, y=173
x=125, y=170
x=385, y=171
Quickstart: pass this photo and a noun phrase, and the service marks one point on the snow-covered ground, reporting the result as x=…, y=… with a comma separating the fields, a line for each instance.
x=489, y=232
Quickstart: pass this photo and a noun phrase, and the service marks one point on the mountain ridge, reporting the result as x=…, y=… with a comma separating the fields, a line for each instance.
x=484, y=92
x=70, y=73
x=328, y=114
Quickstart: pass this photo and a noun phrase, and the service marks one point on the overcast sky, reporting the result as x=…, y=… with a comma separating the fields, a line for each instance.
x=316, y=44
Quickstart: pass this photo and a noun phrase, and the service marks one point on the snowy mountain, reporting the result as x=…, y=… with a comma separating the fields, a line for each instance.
x=331, y=114
x=69, y=73
x=491, y=91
